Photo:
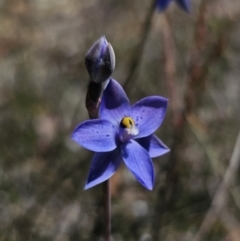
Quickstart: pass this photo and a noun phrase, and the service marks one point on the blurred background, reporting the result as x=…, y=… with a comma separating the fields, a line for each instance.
x=192, y=59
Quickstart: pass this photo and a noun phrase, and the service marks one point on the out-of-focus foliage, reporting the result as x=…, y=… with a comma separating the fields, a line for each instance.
x=43, y=84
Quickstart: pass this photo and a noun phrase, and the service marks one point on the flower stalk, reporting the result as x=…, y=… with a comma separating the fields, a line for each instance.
x=92, y=104
x=107, y=209
x=93, y=99
x=100, y=63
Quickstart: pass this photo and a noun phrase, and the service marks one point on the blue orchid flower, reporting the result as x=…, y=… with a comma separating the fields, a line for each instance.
x=163, y=4
x=123, y=132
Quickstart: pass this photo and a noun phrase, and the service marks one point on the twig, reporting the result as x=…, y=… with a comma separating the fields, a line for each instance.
x=167, y=192
x=170, y=66
x=221, y=195
x=139, y=49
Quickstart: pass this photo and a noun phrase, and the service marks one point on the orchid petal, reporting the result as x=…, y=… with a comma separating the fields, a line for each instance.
x=103, y=166
x=96, y=135
x=114, y=104
x=153, y=145
x=161, y=5
x=138, y=162
x=148, y=114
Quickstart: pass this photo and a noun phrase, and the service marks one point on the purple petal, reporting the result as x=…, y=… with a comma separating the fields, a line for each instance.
x=185, y=5
x=114, y=104
x=153, y=145
x=148, y=114
x=103, y=166
x=138, y=162
x=96, y=135
x=162, y=4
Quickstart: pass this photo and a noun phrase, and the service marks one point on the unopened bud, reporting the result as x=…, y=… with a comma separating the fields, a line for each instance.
x=100, y=61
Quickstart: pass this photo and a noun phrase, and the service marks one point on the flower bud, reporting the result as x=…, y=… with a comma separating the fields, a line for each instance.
x=100, y=61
